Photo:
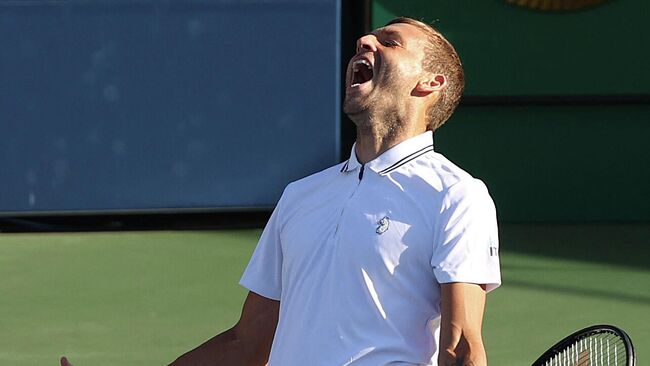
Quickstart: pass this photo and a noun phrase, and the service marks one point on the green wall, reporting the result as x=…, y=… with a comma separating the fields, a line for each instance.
x=548, y=162
x=508, y=50
x=563, y=163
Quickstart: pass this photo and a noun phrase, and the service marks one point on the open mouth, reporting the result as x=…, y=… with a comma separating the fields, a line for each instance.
x=361, y=72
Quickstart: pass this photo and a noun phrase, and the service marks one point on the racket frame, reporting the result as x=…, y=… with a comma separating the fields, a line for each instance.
x=587, y=332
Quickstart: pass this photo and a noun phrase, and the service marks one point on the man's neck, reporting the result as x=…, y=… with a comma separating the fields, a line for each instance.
x=375, y=137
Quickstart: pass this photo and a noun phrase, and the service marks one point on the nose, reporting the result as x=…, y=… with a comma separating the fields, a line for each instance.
x=367, y=43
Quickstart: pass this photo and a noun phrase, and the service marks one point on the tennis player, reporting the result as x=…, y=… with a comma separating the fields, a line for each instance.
x=384, y=259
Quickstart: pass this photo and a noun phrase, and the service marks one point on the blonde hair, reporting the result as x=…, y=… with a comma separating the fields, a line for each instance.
x=440, y=57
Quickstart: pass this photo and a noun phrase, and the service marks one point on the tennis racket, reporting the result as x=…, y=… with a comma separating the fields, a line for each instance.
x=593, y=346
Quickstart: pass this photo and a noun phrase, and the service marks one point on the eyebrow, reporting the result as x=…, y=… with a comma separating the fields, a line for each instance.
x=384, y=31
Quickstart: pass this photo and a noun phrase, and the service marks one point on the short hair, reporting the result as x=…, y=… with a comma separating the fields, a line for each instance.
x=440, y=57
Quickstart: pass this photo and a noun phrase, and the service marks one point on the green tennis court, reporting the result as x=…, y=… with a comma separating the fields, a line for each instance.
x=142, y=298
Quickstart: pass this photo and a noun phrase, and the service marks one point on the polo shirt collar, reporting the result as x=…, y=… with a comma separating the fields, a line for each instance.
x=394, y=157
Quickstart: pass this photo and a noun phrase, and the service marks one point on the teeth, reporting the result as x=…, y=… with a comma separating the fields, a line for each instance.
x=356, y=64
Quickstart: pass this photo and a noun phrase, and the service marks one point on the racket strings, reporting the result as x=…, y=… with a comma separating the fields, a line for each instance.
x=603, y=349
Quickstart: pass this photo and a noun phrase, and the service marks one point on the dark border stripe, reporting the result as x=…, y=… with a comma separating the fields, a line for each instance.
x=355, y=22
x=406, y=159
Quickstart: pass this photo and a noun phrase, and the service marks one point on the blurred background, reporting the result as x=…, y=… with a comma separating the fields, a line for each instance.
x=144, y=144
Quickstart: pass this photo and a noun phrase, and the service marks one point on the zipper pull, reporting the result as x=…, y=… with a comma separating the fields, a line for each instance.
x=361, y=171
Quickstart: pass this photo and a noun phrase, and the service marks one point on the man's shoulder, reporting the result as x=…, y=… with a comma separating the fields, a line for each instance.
x=440, y=172
x=449, y=181
x=457, y=184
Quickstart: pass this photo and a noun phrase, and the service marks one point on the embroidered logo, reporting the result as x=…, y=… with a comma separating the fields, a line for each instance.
x=384, y=223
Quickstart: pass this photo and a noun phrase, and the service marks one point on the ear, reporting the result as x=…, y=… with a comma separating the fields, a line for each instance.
x=437, y=83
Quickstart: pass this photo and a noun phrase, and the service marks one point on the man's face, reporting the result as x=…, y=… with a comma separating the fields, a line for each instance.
x=385, y=69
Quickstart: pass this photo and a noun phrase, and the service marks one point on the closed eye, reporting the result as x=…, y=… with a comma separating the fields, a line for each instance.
x=391, y=43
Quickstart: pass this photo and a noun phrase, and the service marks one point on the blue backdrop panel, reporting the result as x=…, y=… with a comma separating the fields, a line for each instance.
x=141, y=105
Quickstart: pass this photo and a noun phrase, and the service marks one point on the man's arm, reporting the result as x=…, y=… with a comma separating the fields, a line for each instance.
x=247, y=343
x=461, y=343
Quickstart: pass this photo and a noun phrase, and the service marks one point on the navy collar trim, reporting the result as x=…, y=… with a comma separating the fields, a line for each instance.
x=406, y=159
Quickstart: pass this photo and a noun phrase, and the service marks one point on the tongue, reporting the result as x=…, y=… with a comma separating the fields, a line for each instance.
x=364, y=75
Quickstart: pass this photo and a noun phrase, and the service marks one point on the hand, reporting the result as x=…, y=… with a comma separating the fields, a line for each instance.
x=65, y=362
x=447, y=358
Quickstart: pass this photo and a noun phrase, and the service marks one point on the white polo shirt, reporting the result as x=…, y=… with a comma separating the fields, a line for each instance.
x=356, y=255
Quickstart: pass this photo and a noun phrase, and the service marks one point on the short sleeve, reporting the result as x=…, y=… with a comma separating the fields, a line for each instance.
x=263, y=275
x=467, y=245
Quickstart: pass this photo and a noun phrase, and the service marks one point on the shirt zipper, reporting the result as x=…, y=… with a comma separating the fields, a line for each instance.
x=338, y=223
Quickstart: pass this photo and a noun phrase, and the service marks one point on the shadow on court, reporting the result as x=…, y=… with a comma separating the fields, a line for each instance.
x=564, y=289
x=617, y=244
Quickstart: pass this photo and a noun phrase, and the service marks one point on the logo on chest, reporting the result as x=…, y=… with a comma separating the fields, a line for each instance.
x=383, y=225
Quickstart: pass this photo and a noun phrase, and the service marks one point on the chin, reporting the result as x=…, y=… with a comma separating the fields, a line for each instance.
x=355, y=104
x=352, y=109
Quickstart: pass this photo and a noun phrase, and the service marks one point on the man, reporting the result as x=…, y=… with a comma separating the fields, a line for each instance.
x=386, y=258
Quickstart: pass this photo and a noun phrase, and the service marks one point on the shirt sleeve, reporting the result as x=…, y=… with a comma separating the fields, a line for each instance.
x=467, y=245
x=263, y=275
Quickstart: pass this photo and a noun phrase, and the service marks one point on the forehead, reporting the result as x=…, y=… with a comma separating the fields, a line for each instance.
x=405, y=31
